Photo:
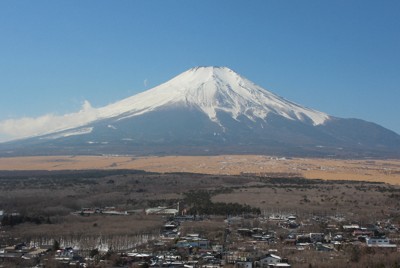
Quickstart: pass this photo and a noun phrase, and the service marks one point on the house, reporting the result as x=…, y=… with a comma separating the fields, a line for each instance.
x=381, y=242
x=303, y=240
x=218, y=248
x=245, y=232
x=317, y=237
x=351, y=227
x=193, y=243
x=244, y=264
x=161, y=211
x=358, y=233
x=269, y=259
x=66, y=254
x=323, y=247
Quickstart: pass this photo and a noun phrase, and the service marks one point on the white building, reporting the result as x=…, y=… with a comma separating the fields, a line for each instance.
x=162, y=211
x=270, y=259
x=382, y=242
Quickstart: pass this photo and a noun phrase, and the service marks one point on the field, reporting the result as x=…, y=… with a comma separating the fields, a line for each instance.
x=387, y=171
x=49, y=195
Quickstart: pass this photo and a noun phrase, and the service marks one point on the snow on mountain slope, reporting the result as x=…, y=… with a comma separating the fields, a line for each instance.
x=206, y=110
x=210, y=90
x=68, y=133
x=213, y=89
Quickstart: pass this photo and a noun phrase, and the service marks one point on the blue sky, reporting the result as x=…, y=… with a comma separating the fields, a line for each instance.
x=341, y=57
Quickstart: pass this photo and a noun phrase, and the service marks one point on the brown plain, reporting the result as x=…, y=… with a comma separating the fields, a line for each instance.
x=387, y=171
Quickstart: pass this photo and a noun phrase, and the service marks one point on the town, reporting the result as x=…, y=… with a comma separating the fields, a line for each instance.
x=138, y=219
x=246, y=241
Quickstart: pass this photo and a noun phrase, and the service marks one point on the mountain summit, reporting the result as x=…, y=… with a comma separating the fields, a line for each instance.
x=212, y=90
x=211, y=110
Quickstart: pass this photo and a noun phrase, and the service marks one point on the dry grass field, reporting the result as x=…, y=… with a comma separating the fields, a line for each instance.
x=387, y=171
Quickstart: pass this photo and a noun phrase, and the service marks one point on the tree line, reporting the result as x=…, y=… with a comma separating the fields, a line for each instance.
x=200, y=203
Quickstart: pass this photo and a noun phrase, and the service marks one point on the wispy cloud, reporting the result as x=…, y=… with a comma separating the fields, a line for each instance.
x=27, y=126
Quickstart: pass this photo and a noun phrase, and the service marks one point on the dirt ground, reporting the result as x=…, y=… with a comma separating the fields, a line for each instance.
x=387, y=171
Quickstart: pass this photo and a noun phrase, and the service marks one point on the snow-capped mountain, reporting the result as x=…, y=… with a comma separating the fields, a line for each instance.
x=210, y=110
x=210, y=90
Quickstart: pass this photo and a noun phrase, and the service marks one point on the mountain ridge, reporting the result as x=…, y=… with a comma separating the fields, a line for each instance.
x=212, y=110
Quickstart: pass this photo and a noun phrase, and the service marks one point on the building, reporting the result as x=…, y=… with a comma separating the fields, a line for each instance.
x=162, y=211
x=244, y=264
x=381, y=242
x=269, y=259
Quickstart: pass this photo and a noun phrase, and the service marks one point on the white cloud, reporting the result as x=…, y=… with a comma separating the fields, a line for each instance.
x=28, y=126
